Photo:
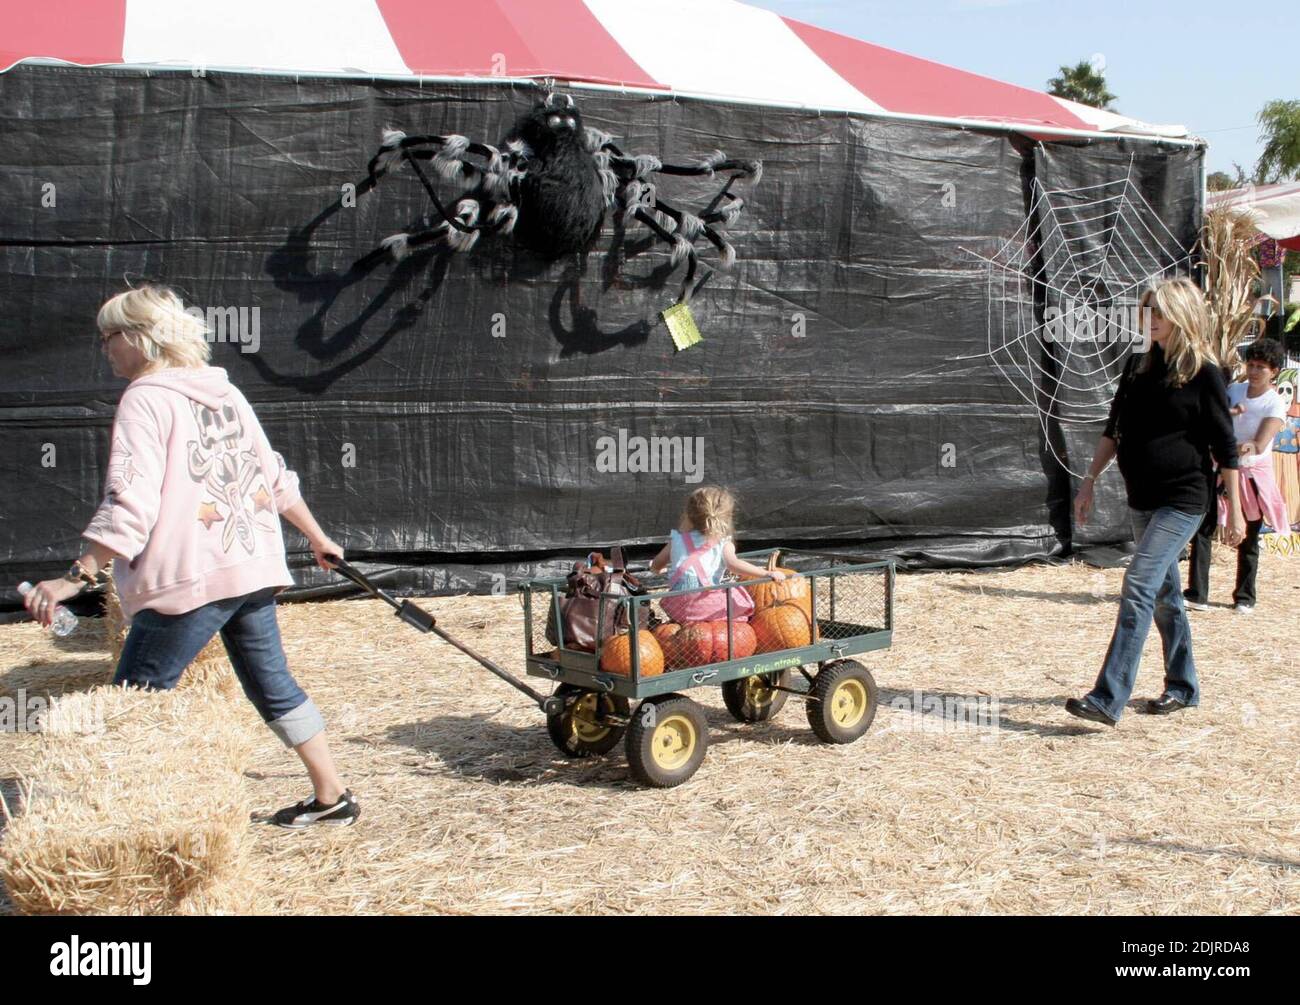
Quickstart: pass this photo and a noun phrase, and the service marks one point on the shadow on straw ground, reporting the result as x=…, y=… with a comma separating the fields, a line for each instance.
x=1188, y=849
x=1083, y=599
x=949, y=709
x=54, y=677
x=497, y=752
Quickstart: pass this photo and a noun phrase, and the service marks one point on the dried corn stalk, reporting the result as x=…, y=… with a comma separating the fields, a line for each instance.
x=1231, y=274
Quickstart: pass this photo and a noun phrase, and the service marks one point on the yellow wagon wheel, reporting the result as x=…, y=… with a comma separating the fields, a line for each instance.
x=584, y=728
x=849, y=703
x=673, y=743
x=842, y=702
x=756, y=698
x=666, y=740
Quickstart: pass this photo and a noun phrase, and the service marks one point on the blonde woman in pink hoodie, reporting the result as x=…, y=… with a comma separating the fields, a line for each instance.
x=191, y=521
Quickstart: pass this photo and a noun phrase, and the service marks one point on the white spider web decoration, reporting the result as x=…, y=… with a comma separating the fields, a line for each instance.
x=1093, y=250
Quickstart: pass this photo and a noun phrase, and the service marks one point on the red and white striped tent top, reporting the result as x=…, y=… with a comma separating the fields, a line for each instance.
x=1274, y=209
x=717, y=49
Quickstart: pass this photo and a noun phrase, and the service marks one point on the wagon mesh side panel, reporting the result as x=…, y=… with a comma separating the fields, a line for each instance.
x=852, y=603
x=541, y=606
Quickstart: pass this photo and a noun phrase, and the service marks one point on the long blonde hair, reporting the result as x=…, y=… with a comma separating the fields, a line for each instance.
x=1187, y=349
x=155, y=321
x=710, y=510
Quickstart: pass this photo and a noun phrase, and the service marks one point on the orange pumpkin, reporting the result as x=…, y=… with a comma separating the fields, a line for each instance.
x=669, y=638
x=663, y=633
x=616, y=654
x=692, y=646
x=706, y=642
x=794, y=590
x=783, y=626
x=744, y=641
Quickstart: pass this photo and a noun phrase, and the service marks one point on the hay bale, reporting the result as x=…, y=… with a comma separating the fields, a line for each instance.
x=115, y=623
x=211, y=668
x=135, y=805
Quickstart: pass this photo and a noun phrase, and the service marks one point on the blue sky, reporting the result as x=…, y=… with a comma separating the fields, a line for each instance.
x=1191, y=63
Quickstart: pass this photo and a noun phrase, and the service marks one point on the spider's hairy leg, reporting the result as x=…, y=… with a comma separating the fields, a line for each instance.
x=690, y=226
x=596, y=140
x=389, y=151
x=723, y=209
x=448, y=155
x=683, y=250
x=398, y=246
x=631, y=196
x=726, y=251
x=503, y=217
x=717, y=162
x=726, y=214
x=467, y=214
x=608, y=179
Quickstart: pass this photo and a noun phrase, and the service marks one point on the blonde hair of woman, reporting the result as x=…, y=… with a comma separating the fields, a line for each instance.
x=1182, y=304
x=158, y=325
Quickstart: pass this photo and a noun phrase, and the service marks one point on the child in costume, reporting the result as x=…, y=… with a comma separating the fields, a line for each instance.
x=701, y=552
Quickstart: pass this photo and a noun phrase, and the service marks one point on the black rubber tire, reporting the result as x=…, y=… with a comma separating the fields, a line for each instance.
x=654, y=740
x=585, y=740
x=842, y=701
x=738, y=696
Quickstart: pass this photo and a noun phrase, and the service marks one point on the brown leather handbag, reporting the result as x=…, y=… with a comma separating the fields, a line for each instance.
x=582, y=608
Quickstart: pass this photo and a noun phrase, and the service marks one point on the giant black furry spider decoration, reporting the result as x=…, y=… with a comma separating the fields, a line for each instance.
x=549, y=185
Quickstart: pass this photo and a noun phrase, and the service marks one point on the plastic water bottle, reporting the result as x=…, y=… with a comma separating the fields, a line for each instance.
x=64, y=623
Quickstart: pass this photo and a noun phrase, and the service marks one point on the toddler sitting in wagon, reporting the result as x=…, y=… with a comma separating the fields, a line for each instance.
x=701, y=552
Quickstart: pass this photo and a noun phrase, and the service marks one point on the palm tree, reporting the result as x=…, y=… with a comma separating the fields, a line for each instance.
x=1280, y=161
x=1084, y=84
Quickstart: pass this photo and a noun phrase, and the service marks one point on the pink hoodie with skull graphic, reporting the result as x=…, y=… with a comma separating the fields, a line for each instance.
x=193, y=495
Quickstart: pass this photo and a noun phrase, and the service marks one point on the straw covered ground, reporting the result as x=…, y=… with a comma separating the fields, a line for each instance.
x=468, y=808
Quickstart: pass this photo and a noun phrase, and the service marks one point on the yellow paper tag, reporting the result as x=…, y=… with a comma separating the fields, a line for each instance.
x=681, y=325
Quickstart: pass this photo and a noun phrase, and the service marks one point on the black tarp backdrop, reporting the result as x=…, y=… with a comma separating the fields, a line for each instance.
x=1127, y=237
x=445, y=413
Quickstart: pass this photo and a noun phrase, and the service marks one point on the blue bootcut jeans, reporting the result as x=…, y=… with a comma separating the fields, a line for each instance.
x=160, y=646
x=1152, y=590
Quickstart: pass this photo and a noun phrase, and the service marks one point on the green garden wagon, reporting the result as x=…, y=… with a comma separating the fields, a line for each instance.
x=664, y=731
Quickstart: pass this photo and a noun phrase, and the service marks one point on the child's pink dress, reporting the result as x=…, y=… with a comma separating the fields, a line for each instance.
x=696, y=562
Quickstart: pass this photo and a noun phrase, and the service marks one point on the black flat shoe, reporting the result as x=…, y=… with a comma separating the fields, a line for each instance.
x=1083, y=708
x=1165, y=704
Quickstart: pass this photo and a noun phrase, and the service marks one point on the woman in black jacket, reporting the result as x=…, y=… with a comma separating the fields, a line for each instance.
x=1168, y=418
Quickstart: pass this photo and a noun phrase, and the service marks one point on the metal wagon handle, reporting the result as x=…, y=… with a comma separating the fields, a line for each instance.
x=414, y=614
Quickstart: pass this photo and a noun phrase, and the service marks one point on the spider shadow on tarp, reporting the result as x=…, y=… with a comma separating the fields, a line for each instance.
x=346, y=348
x=585, y=335
x=290, y=269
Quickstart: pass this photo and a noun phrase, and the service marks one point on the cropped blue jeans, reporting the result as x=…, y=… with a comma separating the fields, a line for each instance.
x=160, y=646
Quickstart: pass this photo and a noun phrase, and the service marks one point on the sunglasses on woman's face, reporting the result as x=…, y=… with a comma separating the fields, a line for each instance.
x=107, y=337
